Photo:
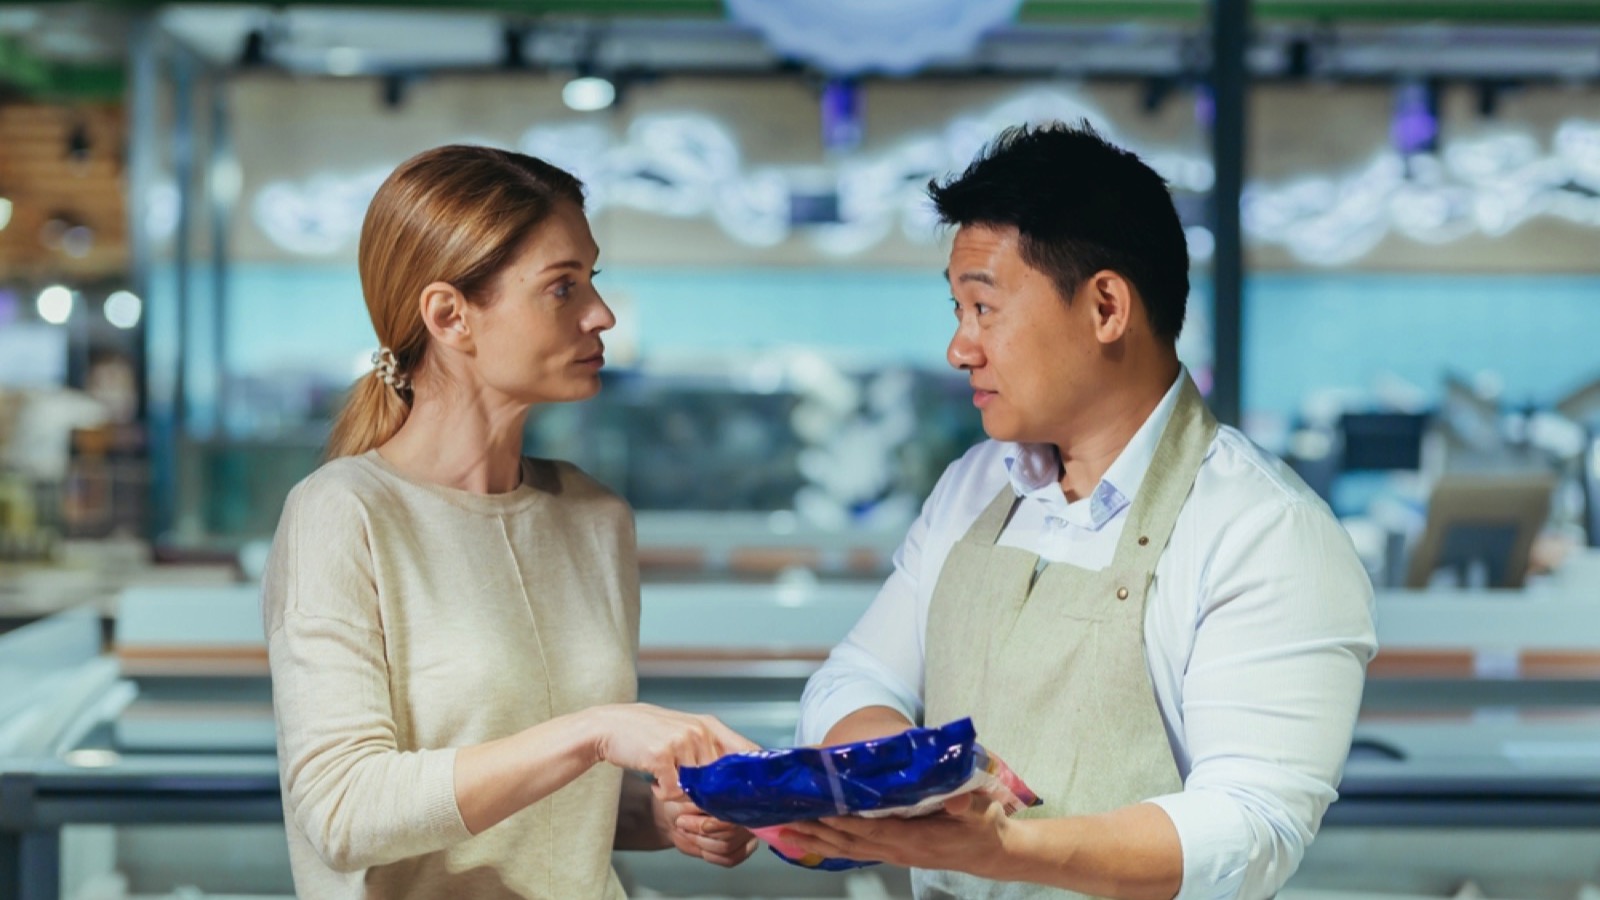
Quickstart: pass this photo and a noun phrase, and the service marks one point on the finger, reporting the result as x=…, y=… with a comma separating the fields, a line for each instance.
x=695, y=823
x=684, y=808
x=706, y=750
x=709, y=845
x=959, y=805
x=859, y=827
x=727, y=862
x=736, y=855
x=830, y=844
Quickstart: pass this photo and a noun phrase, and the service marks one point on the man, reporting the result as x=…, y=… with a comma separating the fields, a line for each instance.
x=1152, y=620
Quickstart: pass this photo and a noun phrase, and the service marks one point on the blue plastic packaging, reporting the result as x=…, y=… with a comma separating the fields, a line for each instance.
x=907, y=774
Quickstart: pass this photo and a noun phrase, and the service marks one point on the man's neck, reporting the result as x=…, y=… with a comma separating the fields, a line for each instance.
x=1100, y=435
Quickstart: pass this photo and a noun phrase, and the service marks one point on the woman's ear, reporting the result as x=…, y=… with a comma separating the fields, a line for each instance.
x=444, y=315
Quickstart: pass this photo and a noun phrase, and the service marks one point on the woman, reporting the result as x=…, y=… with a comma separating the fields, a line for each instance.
x=452, y=627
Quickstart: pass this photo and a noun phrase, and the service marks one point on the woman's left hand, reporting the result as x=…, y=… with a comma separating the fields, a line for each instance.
x=696, y=834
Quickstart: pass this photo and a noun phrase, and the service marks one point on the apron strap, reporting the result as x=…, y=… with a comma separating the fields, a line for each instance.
x=992, y=521
x=1169, y=480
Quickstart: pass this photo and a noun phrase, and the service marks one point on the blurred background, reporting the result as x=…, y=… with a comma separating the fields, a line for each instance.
x=1393, y=212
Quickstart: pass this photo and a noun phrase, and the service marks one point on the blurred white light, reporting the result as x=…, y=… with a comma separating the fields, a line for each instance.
x=123, y=309
x=92, y=758
x=588, y=93
x=344, y=61
x=1202, y=243
x=55, y=304
x=5, y=213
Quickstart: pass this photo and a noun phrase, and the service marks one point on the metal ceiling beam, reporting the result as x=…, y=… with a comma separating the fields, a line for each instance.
x=1195, y=11
x=1527, y=11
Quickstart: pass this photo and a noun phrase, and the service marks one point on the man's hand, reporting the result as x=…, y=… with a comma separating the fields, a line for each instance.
x=696, y=834
x=969, y=836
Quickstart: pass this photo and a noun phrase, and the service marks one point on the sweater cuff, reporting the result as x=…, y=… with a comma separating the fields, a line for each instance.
x=437, y=793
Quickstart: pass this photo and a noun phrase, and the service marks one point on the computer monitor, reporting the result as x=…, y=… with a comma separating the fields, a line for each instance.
x=1382, y=441
x=1482, y=519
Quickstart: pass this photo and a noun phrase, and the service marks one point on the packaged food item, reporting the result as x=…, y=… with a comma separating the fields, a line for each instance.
x=908, y=774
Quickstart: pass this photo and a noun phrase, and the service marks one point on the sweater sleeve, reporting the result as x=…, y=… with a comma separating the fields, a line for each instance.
x=357, y=797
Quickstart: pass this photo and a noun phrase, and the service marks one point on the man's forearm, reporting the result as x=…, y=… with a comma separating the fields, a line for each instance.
x=868, y=722
x=1132, y=853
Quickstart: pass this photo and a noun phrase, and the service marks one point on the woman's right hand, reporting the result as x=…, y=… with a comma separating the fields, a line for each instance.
x=651, y=739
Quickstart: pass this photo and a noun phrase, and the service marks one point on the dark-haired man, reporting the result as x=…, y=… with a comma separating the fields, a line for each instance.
x=1150, y=618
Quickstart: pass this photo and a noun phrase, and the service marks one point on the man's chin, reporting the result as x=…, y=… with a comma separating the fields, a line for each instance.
x=999, y=429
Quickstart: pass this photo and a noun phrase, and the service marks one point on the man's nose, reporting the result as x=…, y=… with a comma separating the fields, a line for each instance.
x=964, y=351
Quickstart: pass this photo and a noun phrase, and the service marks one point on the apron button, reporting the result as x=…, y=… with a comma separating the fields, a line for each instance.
x=1143, y=540
x=1122, y=593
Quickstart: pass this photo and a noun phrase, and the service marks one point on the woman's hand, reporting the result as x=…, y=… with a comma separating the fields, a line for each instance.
x=696, y=834
x=650, y=739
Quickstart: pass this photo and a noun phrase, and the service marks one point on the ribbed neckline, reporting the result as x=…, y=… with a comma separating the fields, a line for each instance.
x=492, y=504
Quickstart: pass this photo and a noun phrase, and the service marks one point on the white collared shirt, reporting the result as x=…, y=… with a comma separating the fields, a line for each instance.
x=1258, y=629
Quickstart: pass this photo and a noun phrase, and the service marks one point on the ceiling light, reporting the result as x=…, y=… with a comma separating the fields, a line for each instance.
x=123, y=309
x=588, y=93
x=55, y=304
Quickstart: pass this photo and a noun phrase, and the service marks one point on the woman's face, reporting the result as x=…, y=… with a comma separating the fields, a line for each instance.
x=538, y=339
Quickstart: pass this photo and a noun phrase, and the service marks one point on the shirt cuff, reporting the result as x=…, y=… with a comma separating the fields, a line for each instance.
x=1216, y=843
x=818, y=717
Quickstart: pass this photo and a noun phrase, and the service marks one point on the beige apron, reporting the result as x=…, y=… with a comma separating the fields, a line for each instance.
x=1054, y=675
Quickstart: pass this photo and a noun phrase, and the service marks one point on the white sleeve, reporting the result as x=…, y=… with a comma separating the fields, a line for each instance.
x=880, y=661
x=1283, y=635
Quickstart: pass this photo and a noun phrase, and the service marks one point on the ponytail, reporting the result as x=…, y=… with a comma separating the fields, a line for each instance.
x=373, y=411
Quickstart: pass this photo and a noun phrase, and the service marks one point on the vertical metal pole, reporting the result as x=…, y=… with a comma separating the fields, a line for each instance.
x=40, y=865
x=144, y=152
x=1230, y=35
x=183, y=153
x=222, y=182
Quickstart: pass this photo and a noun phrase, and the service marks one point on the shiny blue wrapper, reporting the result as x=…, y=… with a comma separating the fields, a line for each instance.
x=775, y=787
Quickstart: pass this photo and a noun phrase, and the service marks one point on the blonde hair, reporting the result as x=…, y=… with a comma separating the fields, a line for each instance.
x=456, y=214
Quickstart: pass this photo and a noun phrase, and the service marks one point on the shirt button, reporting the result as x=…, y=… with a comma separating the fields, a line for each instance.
x=1122, y=593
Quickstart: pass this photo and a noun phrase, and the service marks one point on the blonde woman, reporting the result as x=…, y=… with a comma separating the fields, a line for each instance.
x=453, y=627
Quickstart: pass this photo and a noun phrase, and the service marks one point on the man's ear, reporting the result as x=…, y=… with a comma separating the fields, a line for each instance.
x=444, y=311
x=1111, y=297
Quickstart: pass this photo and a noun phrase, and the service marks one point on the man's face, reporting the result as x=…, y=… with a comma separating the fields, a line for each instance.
x=1026, y=352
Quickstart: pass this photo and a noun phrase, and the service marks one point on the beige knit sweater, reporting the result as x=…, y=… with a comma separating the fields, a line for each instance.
x=404, y=620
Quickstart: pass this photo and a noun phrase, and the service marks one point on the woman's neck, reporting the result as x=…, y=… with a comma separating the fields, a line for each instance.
x=465, y=441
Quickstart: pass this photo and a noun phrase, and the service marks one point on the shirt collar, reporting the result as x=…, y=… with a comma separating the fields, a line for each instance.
x=1033, y=468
